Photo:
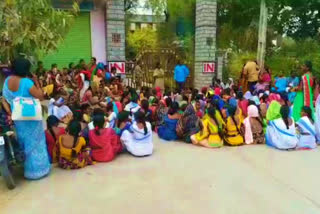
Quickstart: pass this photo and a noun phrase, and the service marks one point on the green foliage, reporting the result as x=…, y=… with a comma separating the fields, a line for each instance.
x=140, y=40
x=292, y=54
x=237, y=60
x=298, y=19
x=32, y=27
x=285, y=60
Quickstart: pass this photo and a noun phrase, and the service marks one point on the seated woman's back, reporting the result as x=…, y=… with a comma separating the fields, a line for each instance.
x=233, y=135
x=281, y=133
x=307, y=131
x=52, y=135
x=105, y=144
x=254, y=127
x=138, y=140
x=72, y=150
x=168, y=130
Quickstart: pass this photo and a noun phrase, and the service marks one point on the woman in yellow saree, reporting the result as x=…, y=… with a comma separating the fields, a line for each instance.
x=210, y=135
x=233, y=134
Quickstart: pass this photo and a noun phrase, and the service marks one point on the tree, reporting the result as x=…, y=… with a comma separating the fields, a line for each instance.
x=32, y=27
x=141, y=40
x=298, y=19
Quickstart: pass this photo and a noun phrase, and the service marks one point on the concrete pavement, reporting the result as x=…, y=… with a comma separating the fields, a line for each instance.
x=179, y=178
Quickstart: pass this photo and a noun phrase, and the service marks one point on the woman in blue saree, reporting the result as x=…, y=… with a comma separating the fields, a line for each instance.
x=281, y=131
x=307, y=131
x=317, y=122
x=30, y=134
x=168, y=130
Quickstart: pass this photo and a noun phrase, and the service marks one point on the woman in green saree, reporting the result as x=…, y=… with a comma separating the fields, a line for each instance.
x=305, y=95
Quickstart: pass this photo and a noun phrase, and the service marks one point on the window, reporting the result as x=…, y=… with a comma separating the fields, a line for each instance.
x=144, y=25
x=133, y=26
x=154, y=26
x=116, y=38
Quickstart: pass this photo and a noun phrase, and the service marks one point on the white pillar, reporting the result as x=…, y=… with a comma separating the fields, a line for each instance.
x=98, y=35
x=205, y=40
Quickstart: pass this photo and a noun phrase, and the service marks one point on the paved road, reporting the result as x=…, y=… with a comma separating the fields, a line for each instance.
x=179, y=178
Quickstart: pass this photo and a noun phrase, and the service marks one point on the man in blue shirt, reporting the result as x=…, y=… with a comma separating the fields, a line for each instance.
x=181, y=72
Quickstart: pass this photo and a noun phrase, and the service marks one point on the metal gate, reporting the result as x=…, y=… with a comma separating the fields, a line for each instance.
x=147, y=61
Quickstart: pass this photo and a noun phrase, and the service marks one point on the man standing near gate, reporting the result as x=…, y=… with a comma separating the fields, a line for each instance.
x=181, y=72
x=251, y=72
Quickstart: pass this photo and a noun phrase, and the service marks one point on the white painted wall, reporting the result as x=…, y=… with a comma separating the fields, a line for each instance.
x=98, y=34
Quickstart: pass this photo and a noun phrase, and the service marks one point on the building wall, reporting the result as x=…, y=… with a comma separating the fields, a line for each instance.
x=116, y=31
x=206, y=25
x=98, y=34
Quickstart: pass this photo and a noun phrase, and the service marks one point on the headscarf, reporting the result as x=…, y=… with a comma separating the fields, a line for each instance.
x=217, y=91
x=188, y=123
x=210, y=93
x=100, y=66
x=158, y=90
x=247, y=95
x=253, y=111
x=256, y=100
x=273, y=112
x=233, y=102
x=274, y=97
x=231, y=82
x=178, y=98
x=161, y=112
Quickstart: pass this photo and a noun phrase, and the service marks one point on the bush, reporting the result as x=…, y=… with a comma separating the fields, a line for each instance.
x=282, y=61
x=236, y=62
x=292, y=54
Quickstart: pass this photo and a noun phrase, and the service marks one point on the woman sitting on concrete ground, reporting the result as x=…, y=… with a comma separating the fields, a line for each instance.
x=281, y=132
x=132, y=107
x=233, y=133
x=53, y=133
x=168, y=130
x=307, y=131
x=58, y=107
x=104, y=142
x=210, y=135
x=73, y=152
x=138, y=139
x=188, y=124
x=254, y=127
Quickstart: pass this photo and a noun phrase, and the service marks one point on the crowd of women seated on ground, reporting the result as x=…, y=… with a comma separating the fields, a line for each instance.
x=104, y=119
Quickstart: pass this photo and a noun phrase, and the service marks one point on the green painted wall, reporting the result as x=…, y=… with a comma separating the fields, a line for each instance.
x=76, y=46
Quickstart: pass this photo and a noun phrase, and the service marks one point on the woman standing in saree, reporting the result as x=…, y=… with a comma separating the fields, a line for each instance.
x=317, y=121
x=305, y=96
x=158, y=76
x=30, y=134
x=243, y=81
x=281, y=132
x=307, y=132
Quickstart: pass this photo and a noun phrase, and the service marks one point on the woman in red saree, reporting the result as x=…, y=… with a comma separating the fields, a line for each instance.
x=104, y=142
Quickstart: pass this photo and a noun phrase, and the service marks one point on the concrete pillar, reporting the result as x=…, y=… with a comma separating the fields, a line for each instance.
x=205, y=40
x=116, y=35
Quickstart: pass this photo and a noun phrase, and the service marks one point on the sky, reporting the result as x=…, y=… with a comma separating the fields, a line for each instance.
x=141, y=10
